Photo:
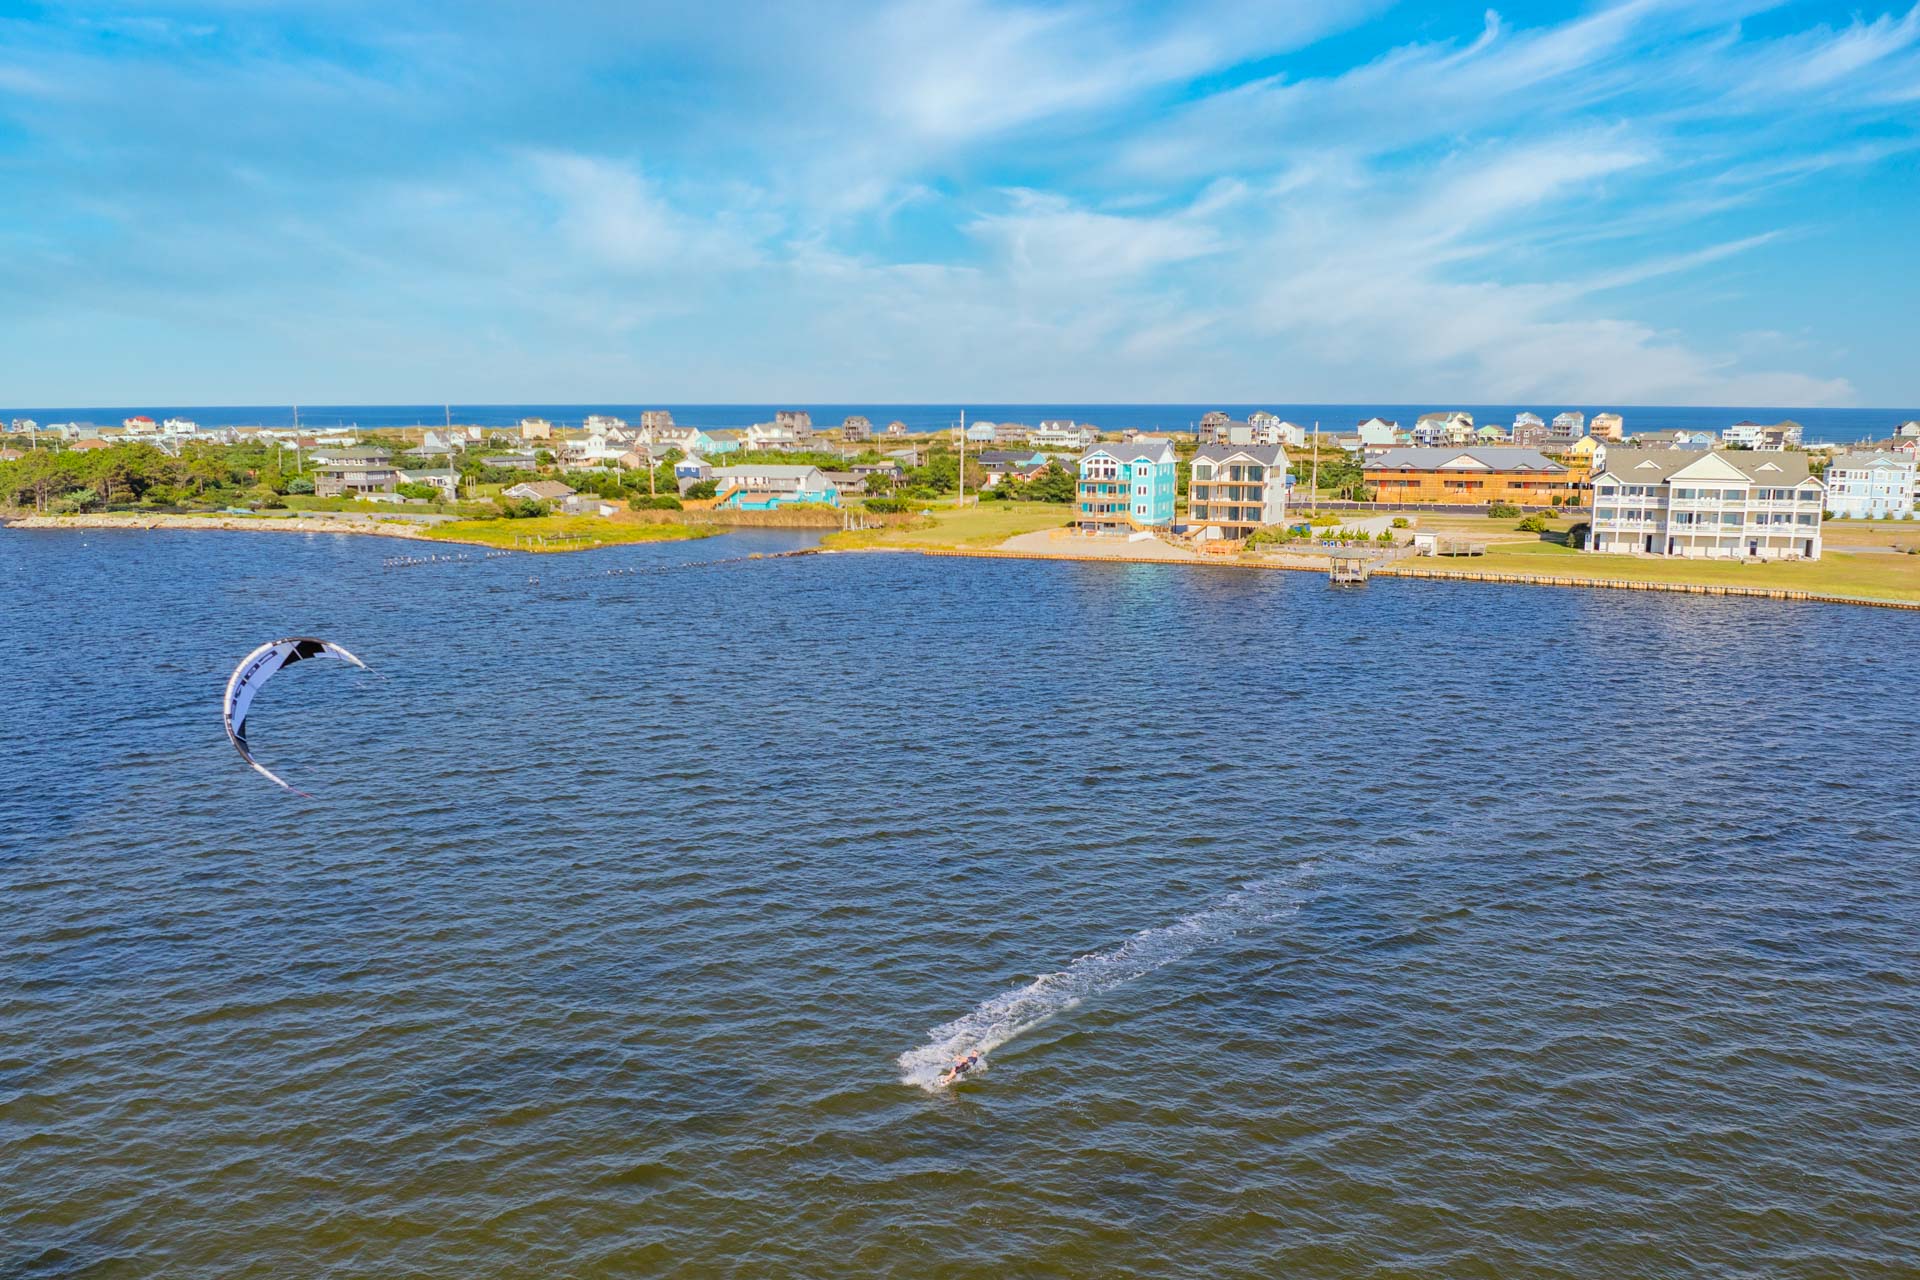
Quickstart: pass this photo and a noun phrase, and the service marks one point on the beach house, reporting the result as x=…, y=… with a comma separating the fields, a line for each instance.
x=352, y=472
x=1567, y=427
x=1609, y=427
x=1525, y=477
x=539, y=491
x=1720, y=505
x=856, y=428
x=1235, y=490
x=1063, y=434
x=763, y=487
x=1125, y=487
x=1871, y=486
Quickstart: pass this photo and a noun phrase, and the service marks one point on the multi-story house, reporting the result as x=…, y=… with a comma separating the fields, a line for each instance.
x=1235, y=490
x=1525, y=477
x=1567, y=427
x=536, y=429
x=763, y=487
x=347, y=472
x=1871, y=486
x=1609, y=427
x=798, y=421
x=856, y=427
x=1527, y=421
x=1125, y=487
x=1785, y=434
x=1452, y=427
x=1062, y=434
x=1718, y=505
x=652, y=420
x=1011, y=432
x=771, y=435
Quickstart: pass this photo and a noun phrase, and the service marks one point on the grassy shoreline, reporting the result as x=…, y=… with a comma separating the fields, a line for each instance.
x=1854, y=569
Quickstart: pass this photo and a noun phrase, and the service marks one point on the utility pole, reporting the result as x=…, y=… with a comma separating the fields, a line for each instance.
x=1316, y=466
x=963, y=457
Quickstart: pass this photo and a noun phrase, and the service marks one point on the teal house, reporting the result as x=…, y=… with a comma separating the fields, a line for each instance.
x=1125, y=488
x=764, y=488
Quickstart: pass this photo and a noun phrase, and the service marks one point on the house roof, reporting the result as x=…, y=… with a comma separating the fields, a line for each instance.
x=1653, y=466
x=544, y=490
x=765, y=473
x=1266, y=455
x=1471, y=459
x=1146, y=448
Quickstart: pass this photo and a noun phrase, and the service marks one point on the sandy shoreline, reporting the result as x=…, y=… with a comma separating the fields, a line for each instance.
x=415, y=533
x=240, y=524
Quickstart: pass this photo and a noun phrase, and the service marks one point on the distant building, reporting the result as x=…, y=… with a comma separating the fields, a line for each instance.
x=440, y=480
x=1062, y=434
x=652, y=420
x=1677, y=438
x=588, y=504
x=764, y=487
x=1755, y=435
x=1211, y=421
x=1904, y=429
x=1567, y=427
x=536, y=429
x=1125, y=487
x=511, y=461
x=601, y=423
x=798, y=421
x=896, y=428
x=1748, y=504
x=1609, y=426
x=855, y=428
x=1235, y=490
x=1467, y=476
x=1010, y=432
x=138, y=422
x=1021, y=465
x=982, y=433
x=350, y=472
x=776, y=436
x=1453, y=426
x=1871, y=486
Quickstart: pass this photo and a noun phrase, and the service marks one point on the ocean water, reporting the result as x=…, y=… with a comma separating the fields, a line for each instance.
x=1420, y=929
x=1822, y=425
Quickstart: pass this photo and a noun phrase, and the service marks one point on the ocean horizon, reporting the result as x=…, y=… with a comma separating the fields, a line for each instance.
x=1834, y=426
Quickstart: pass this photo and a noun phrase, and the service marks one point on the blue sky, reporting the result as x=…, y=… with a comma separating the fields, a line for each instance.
x=1638, y=203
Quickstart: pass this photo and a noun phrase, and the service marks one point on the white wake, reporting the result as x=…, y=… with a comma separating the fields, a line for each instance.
x=1019, y=1011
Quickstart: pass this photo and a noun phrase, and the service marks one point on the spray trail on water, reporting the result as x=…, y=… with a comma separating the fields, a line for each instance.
x=1014, y=1013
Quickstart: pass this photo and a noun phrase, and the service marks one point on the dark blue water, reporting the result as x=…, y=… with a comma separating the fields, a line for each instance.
x=1416, y=930
x=1839, y=425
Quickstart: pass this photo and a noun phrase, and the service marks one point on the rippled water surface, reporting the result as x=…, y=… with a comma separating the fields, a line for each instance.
x=1413, y=930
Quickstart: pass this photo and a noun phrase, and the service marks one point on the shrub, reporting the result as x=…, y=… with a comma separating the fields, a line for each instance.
x=300, y=484
x=703, y=489
x=1384, y=537
x=886, y=506
x=1502, y=510
x=1536, y=523
x=521, y=508
x=654, y=502
x=416, y=490
x=1400, y=522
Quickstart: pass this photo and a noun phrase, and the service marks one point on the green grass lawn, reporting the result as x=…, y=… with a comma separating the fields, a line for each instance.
x=987, y=525
x=516, y=534
x=1876, y=575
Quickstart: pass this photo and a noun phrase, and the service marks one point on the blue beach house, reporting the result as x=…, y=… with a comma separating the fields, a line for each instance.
x=1125, y=487
x=764, y=488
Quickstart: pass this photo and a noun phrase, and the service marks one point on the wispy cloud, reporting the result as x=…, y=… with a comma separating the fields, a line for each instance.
x=935, y=198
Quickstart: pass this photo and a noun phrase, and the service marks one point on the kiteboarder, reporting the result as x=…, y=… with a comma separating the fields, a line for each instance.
x=961, y=1065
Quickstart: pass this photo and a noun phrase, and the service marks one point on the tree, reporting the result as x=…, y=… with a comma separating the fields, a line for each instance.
x=1055, y=484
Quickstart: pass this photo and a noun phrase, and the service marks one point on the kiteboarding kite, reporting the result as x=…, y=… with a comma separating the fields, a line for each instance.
x=254, y=671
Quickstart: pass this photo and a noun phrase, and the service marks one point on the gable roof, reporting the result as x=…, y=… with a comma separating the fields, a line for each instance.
x=1655, y=466
x=1143, y=449
x=1266, y=455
